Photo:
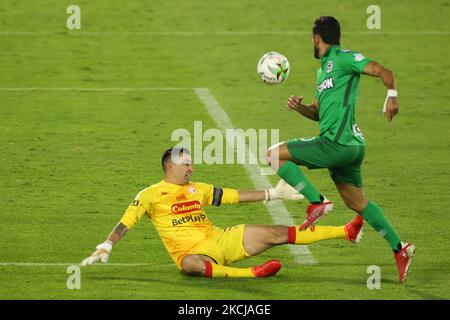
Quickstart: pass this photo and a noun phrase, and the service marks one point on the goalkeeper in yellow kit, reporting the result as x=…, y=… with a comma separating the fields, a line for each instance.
x=175, y=206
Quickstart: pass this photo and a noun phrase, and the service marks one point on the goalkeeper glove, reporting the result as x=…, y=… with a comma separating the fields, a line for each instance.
x=283, y=191
x=100, y=254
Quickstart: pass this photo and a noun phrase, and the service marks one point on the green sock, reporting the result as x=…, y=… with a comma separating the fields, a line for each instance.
x=374, y=216
x=292, y=174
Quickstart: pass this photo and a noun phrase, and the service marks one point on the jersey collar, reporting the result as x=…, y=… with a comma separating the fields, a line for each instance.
x=173, y=184
x=331, y=51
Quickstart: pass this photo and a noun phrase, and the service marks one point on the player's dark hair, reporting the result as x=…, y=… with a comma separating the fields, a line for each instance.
x=328, y=29
x=167, y=155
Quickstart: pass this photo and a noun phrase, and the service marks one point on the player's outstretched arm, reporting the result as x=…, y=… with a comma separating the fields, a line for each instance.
x=281, y=191
x=310, y=111
x=391, y=105
x=104, y=249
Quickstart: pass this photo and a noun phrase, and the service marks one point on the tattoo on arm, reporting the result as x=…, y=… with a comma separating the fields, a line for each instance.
x=372, y=69
x=120, y=229
x=377, y=70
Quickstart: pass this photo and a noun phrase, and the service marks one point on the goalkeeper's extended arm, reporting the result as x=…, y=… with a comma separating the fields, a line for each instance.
x=104, y=249
x=119, y=231
x=281, y=191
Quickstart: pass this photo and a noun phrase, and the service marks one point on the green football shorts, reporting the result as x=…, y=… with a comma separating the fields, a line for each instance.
x=343, y=162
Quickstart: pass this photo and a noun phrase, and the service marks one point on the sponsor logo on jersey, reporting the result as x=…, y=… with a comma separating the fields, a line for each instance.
x=181, y=197
x=135, y=203
x=186, y=207
x=189, y=218
x=326, y=84
x=329, y=66
x=164, y=193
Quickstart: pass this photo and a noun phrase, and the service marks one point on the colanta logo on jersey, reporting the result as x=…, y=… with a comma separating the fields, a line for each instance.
x=326, y=84
x=186, y=207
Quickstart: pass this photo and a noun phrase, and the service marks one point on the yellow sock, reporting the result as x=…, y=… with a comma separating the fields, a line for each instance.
x=314, y=234
x=214, y=270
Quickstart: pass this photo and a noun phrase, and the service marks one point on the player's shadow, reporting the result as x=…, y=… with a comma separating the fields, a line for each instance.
x=357, y=281
x=236, y=284
x=426, y=295
x=352, y=264
x=121, y=278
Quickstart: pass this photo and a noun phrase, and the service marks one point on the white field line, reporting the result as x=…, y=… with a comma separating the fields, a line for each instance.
x=277, y=210
x=78, y=33
x=56, y=264
x=92, y=89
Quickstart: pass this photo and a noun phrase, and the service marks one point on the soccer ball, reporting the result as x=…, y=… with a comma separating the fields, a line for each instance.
x=273, y=67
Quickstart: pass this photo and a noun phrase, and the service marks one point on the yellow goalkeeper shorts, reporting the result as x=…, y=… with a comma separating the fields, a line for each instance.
x=226, y=247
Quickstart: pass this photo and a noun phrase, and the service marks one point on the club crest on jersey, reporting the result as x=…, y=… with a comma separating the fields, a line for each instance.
x=192, y=190
x=326, y=84
x=329, y=66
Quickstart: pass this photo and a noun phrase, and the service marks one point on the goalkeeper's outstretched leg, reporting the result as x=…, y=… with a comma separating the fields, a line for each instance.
x=258, y=238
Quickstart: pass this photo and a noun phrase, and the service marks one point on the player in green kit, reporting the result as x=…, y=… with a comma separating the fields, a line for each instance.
x=340, y=145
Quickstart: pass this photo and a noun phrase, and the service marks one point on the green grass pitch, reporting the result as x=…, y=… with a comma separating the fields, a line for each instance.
x=71, y=161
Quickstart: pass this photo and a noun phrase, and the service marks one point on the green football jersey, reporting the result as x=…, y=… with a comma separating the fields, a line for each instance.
x=337, y=92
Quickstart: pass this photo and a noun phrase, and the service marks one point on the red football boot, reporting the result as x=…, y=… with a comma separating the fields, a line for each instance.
x=315, y=211
x=353, y=229
x=403, y=260
x=267, y=269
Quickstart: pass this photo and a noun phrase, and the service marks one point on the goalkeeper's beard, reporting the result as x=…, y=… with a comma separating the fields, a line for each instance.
x=187, y=177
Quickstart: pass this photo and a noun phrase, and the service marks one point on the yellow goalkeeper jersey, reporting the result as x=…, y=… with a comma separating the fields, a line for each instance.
x=177, y=212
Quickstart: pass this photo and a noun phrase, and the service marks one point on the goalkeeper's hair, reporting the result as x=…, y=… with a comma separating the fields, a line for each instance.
x=328, y=29
x=175, y=151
